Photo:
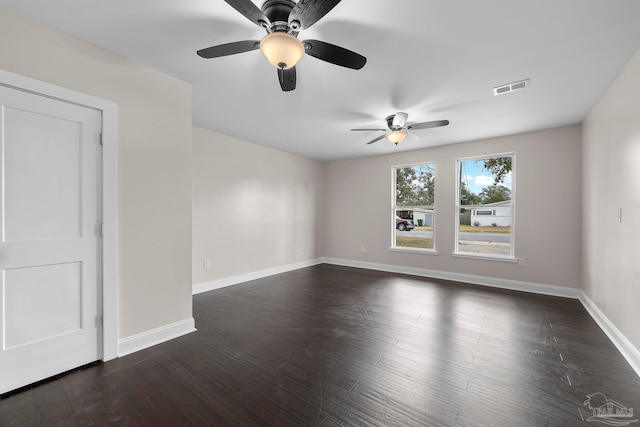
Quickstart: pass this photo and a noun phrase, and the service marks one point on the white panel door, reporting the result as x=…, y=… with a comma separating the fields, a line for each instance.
x=50, y=242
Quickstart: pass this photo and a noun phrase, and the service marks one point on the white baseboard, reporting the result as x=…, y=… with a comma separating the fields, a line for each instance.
x=626, y=348
x=155, y=336
x=536, y=288
x=234, y=280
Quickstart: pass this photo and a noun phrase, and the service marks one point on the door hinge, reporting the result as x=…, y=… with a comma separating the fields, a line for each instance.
x=99, y=320
x=102, y=229
x=100, y=138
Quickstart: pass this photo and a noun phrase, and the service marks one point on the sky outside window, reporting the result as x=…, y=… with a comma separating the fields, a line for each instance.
x=476, y=177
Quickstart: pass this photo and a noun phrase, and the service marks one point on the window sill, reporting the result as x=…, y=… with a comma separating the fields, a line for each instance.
x=414, y=251
x=472, y=255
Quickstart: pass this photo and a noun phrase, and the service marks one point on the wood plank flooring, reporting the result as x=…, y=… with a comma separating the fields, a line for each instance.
x=338, y=346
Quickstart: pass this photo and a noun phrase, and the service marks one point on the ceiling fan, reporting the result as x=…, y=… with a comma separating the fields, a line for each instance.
x=399, y=128
x=283, y=20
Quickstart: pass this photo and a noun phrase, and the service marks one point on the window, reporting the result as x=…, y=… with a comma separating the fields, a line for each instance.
x=485, y=206
x=413, y=207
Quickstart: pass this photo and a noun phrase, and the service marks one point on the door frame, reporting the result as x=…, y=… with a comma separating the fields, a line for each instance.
x=109, y=179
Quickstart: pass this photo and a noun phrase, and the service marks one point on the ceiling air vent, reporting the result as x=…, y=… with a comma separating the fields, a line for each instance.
x=500, y=90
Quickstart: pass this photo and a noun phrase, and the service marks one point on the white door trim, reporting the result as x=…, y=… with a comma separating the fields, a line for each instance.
x=109, y=194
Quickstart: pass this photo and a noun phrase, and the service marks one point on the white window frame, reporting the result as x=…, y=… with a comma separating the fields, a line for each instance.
x=494, y=257
x=394, y=208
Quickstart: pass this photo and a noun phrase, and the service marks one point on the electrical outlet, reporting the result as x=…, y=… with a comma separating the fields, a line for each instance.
x=361, y=248
x=206, y=263
x=521, y=262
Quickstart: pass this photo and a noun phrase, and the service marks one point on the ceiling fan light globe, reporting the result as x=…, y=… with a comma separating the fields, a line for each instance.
x=396, y=136
x=281, y=49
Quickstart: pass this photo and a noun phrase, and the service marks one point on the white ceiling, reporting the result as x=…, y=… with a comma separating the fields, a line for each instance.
x=432, y=59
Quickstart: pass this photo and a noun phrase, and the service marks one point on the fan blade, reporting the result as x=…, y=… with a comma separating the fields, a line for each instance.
x=229, y=49
x=428, y=125
x=370, y=130
x=334, y=54
x=308, y=12
x=250, y=11
x=287, y=79
x=399, y=120
x=377, y=139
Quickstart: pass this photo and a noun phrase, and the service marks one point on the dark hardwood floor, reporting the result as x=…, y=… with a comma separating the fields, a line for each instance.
x=337, y=346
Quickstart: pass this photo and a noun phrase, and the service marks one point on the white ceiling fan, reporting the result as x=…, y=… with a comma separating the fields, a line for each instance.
x=398, y=128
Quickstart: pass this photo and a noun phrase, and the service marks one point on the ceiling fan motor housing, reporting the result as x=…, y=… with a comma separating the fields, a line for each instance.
x=389, y=120
x=278, y=13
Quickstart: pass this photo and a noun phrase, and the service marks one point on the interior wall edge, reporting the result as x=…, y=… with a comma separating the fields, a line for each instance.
x=155, y=336
x=622, y=343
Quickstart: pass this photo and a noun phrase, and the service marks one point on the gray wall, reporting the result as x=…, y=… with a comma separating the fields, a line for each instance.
x=611, y=180
x=254, y=208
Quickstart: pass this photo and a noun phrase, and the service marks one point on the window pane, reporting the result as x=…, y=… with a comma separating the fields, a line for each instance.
x=414, y=185
x=486, y=206
x=416, y=231
x=414, y=206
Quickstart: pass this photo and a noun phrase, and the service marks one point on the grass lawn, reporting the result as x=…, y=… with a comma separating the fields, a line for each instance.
x=414, y=242
x=471, y=229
